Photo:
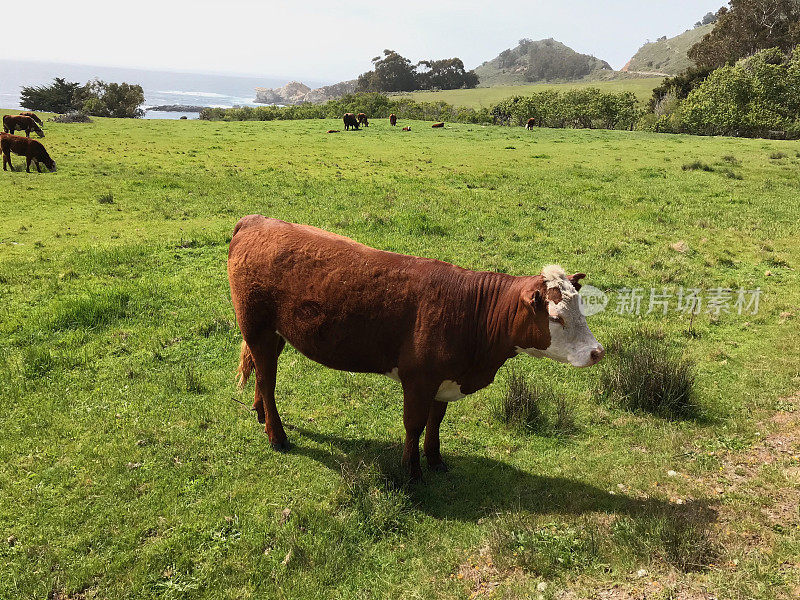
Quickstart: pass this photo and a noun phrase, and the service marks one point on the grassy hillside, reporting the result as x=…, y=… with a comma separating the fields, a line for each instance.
x=668, y=56
x=486, y=96
x=542, y=60
x=129, y=469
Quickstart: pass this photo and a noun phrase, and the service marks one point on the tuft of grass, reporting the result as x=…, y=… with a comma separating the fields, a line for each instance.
x=644, y=374
x=192, y=381
x=92, y=311
x=378, y=505
x=697, y=166
x=778, y=155
x=106, y=198
x=732, y=160
x=545, y=549
x=535, y=408
x=672, y=537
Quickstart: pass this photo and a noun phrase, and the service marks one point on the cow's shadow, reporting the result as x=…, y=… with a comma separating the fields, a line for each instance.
x=477, y=486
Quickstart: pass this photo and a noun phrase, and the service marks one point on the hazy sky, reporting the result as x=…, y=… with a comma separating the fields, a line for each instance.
x=332, y=41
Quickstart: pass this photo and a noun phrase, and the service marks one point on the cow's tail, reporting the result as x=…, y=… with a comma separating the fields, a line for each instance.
x=246, y=366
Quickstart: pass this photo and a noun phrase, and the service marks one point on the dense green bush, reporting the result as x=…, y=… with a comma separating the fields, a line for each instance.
x=97, y=98
x=375, y=105
x=56, y=97
x=587, y=108
x=759, y=96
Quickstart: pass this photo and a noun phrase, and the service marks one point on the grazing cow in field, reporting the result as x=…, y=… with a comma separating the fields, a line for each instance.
x=438, y=125
x=350, y=121
x=392, y=119
x=440, y=330
x=407, y=128
x=33, y=116
x=531, y=123
x=13, y=123
x=362, y=119
x=333, y=131
x=32, y=150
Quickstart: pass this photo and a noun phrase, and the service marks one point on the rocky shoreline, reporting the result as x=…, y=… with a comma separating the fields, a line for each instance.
x=190, y=108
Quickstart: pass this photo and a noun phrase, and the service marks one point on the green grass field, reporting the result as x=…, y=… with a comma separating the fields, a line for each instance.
x=129, y=469
x=486, y=96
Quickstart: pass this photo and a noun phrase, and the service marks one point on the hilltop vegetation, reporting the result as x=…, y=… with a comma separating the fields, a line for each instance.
x=668, y=56
x=543, y=60
x=128, y=470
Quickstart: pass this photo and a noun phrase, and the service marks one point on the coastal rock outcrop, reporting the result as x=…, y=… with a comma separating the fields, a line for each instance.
x=295, y=92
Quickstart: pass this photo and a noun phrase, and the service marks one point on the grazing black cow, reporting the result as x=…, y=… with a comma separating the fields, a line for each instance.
x=350, y=121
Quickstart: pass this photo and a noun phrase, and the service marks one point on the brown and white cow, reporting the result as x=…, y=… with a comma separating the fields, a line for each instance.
x=392, y=119
x=12, y=123
x=32, y=150
x=440, y=330
x=33, y=116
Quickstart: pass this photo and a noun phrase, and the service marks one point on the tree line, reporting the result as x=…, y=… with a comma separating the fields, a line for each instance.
x=97, y=98
x=395, y=73
x=589, y=108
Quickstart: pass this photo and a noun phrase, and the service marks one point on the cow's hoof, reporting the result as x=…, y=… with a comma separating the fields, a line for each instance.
x=440, y=467
x=281, y=446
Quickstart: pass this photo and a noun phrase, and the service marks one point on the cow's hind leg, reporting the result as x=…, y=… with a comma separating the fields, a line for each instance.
x=265, y=357
x=432, y=452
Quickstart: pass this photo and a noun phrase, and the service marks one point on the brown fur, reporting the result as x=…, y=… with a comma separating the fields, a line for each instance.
x=531, y=123
x=333, y=131
x=350, y=121
x=354, y=308
x=33, y=116
x=32, y=150
x=362, y=119
x=12, y=123
x=392, y=119
x=438, y=125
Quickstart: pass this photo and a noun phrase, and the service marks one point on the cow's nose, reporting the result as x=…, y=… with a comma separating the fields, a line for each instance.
x=597, y=354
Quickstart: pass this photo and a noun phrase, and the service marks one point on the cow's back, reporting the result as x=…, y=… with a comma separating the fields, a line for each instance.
x=339, y=302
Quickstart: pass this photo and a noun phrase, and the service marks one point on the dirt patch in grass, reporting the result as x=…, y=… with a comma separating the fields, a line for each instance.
x=481, y=574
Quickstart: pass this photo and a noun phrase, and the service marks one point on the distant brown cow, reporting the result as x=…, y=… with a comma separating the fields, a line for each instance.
x=13, y=123
x=362, y=119
x=531, y=123
x=406, y=128
x=438, y=125
x=32, y=150
x=350, y=121
x=439, y=330
x=392, y=119
x=33, y=116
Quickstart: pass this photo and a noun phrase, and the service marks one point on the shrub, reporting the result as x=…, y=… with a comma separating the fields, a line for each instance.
x=697, y=165
x=106, y=198
x=72, y=117
x=644, y=374
x=534, y=408
x=759, y=96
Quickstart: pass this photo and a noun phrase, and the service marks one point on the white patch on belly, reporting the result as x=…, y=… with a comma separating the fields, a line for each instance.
x=394, y=374
x=449, y=391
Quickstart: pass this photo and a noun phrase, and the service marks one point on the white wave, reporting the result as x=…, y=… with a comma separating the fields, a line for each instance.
x=201, y=94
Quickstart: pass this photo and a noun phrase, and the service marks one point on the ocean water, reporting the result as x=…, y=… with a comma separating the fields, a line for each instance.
x=160, y=87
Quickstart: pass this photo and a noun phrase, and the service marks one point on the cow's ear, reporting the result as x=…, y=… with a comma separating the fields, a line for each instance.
x=535, y=300
x=574, y=279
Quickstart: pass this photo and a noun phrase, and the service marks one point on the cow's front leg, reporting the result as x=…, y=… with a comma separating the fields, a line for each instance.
x=417, y=399
x=432, y=453
x=28, y=165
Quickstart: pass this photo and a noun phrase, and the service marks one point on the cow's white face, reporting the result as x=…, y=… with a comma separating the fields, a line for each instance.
x=570, y=339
